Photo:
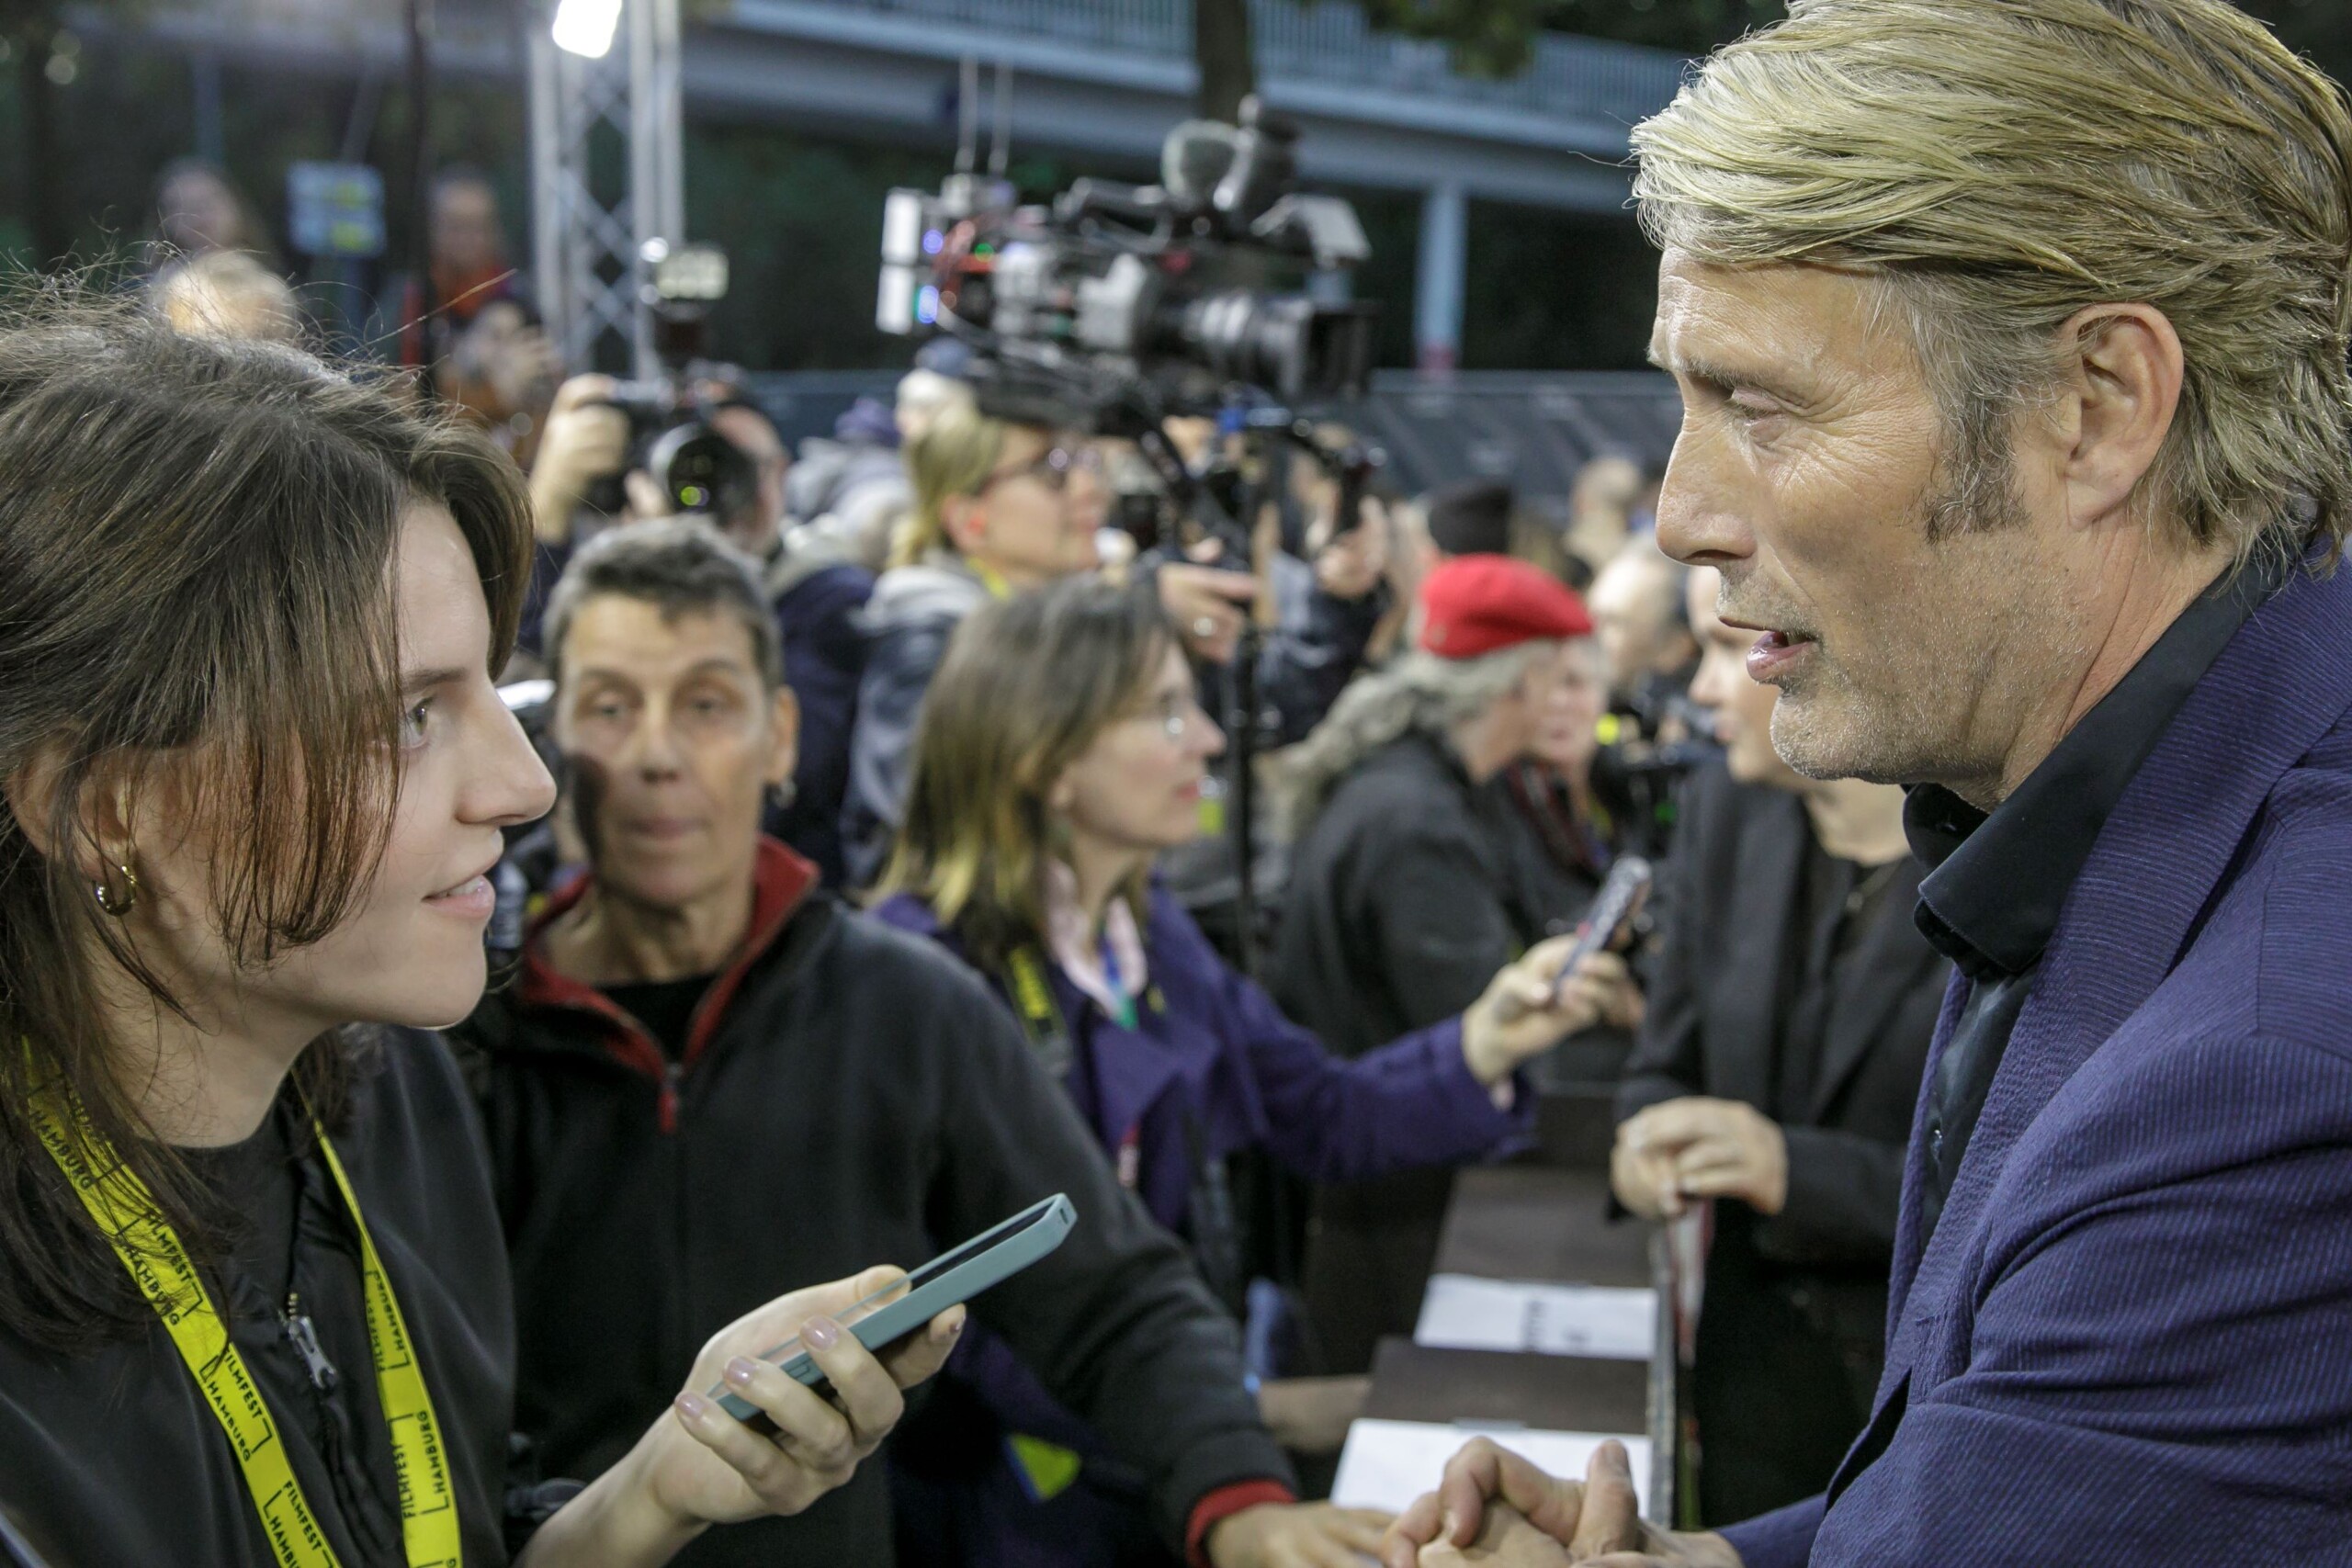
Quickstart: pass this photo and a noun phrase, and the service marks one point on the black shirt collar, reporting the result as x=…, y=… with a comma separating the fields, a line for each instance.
x=1996, y=883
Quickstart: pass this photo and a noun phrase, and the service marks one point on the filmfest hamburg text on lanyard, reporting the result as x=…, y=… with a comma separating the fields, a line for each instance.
x=166, y=1275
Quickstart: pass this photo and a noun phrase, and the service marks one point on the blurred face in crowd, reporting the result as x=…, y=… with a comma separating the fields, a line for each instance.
x=1637, y=619
x=1905, y=615
x=465, y=234
x=197, y=212
x=1036, y=515
x=1740, y=707
x=1519, y=718
x=409, y=951
x=1138, y=784
x=675, y=738
x=1569, y=726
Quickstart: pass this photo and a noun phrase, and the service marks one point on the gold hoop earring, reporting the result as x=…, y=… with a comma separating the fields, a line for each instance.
x=128, y=900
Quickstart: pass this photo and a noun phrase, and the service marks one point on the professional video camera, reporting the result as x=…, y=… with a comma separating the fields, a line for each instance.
x=670, y=437
x=1119, y=305
x=1116, y=308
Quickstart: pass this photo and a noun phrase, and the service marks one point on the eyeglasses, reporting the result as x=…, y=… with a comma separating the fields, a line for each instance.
x=1052, y=471
x=1172, y=713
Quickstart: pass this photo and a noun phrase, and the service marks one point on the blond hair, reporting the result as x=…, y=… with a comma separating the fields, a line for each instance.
x=952, y=455
x=2004, y=163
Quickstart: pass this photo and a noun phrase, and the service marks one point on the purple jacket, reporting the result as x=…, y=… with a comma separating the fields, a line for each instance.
x=2129, y=1341
x=1208, y=1041
x=1210, y=1051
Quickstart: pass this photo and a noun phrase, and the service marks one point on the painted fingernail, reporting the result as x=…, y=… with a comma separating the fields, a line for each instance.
x=693, y=1406
x=820, y=1333
x=739, y=1371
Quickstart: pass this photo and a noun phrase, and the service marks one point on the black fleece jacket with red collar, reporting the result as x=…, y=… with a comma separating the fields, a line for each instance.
x=847, y=1096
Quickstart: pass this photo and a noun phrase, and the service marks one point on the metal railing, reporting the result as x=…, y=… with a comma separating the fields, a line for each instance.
x=1330, y=43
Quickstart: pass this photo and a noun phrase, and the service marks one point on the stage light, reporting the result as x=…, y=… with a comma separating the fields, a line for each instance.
x=585, y=27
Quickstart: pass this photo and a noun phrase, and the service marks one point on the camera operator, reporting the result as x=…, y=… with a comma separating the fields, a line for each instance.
x=1326, y=603
x=710, y=1073
x=1404, y=895
x=1788, y=1018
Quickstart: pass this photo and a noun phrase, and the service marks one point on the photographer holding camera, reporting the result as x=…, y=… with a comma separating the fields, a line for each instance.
x=731, y=463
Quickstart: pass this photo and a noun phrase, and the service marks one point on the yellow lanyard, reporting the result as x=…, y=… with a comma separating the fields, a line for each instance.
x=120, y=1201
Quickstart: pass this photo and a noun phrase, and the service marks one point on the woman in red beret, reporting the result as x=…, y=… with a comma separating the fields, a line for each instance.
x=1405, y=893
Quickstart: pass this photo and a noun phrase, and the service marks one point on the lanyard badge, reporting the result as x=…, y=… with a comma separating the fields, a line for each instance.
x=167, y=1277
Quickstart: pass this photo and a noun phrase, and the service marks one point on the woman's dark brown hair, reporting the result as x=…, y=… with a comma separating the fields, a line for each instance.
x=1027, y=684
x=196, y=542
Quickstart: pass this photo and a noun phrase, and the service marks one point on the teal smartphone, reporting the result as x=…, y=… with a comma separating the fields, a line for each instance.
x=901, y=1307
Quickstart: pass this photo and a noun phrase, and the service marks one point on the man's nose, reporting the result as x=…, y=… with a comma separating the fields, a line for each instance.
x=1699, y=504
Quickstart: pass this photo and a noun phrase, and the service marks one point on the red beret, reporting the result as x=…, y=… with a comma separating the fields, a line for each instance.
x=1474, y=605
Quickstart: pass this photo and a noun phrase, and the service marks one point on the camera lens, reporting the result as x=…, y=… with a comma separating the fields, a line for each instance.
x=701, y=470
x=1284, y=342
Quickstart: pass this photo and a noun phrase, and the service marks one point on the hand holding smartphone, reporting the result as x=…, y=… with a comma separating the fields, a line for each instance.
x=1614, y=909
x=903, y=1306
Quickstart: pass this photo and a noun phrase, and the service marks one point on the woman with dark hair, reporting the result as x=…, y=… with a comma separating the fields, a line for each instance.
x=254, y=1304
x=1060, y=751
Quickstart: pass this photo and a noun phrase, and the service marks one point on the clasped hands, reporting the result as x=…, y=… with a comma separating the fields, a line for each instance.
x=1494, y=1507
x=1699, y=1147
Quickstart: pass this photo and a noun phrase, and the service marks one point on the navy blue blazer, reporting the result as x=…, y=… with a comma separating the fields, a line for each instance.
x=2129, y=1341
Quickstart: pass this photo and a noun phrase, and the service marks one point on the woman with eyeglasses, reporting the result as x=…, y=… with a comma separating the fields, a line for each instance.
x=999, y=508
x=1061, y=750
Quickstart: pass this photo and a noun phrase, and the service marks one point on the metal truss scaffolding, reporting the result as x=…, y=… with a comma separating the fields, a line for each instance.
x=607, y=176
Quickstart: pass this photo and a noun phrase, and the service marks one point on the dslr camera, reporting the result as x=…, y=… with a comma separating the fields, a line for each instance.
x=670, y=437
x=1116, y=306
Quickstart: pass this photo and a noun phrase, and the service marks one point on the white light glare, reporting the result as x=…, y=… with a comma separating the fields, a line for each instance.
x=585, y=27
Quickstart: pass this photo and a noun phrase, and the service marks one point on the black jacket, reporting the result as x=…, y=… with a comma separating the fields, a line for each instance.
x=1795, y=1318
x=114, y=1459
x=1405, y=897
x=848, y=1096
x=1407, y=893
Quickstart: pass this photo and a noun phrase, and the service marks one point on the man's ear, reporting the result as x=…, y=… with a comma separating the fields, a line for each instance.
x=783, y=722
x=2120, y=374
